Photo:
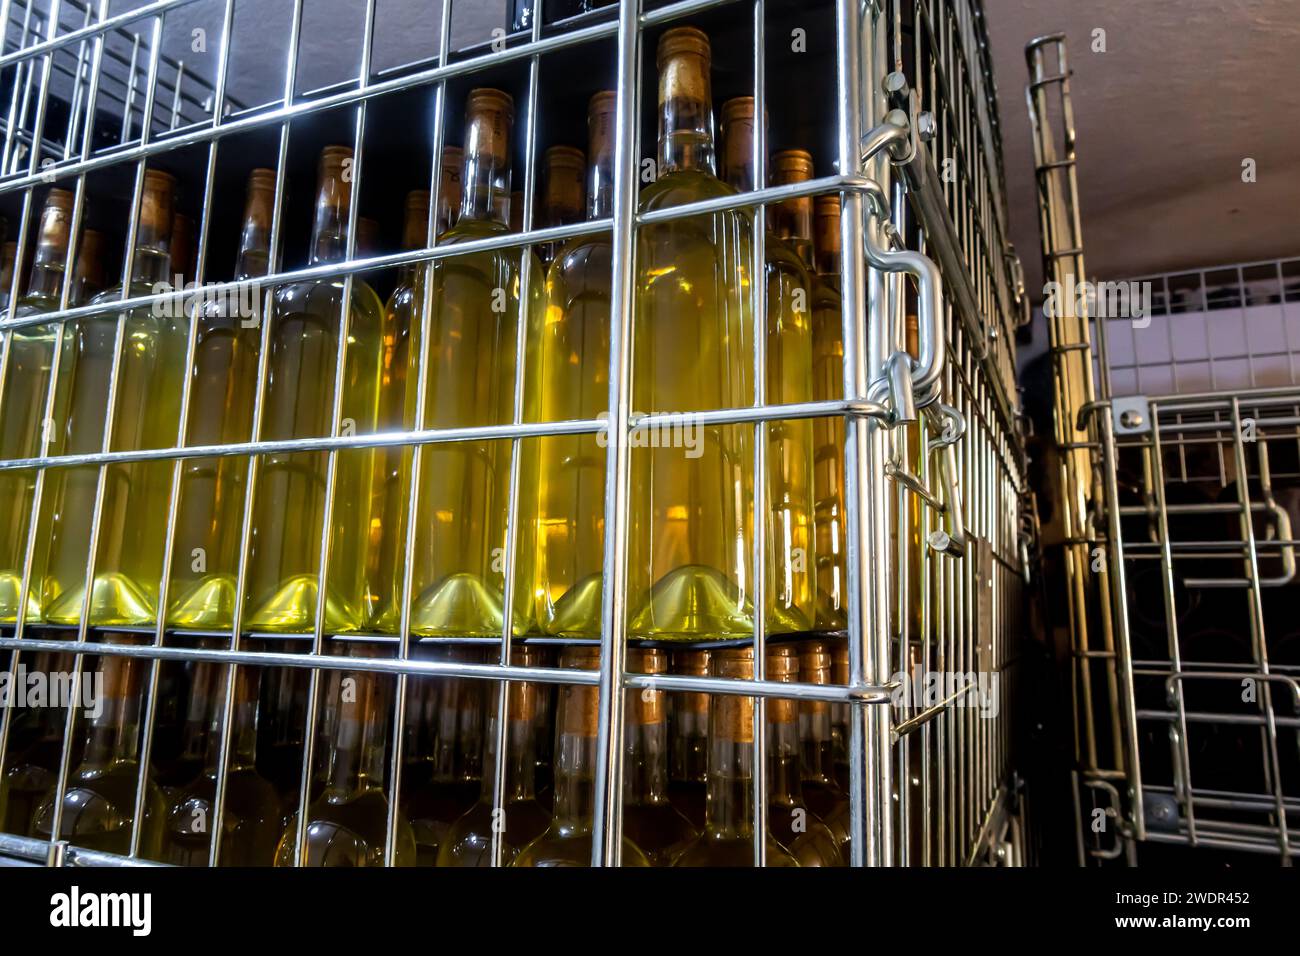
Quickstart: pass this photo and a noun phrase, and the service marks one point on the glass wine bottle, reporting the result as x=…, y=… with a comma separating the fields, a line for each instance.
x=791, y=563
x=32, y=762
x=459, y=574
x=289, y=510
x=574, y=384
x=728, y=836
x=133, y=517
x=251, y=822
x=88, y=273
x=22, y=405
x=521, y=819
x=821, y=793
x=205, y=562
x=691, y=494
x=564, y=193
x=649, y=819
x=568, y=840
x=347, y=824
x=688, y=716
x=99, y=801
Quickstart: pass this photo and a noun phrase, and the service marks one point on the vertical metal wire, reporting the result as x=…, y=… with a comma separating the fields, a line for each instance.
x=606, y=849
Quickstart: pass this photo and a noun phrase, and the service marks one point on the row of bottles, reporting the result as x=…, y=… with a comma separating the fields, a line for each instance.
x=688, y=764
x=691, y=501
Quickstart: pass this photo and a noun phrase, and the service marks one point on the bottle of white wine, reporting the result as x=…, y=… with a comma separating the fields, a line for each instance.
x=563, y=196
x=347, y=824
x=691, y=497
x=133, y=524
x=574, y=384
x=99, y=802
x=22, y=406
x=459, y=574
x=205, y=562
x=289, y=510
x=790, y=560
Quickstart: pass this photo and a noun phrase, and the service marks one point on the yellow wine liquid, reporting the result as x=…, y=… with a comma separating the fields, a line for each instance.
x=459, y=574
x=290, y=499
x=828, y=475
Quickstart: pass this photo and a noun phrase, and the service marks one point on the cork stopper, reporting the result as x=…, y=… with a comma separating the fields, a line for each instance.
x=525, y=698
x=911, y=333
x=646, y=705
x=259, y=199
x=566, y=192
x=794, y=217
x=814, y=668
x=602, y=114
x=692, y=663
x=56, y=223
x=782, y=665
x=489, y=115
x=682, y=42
x=840, y=661
x=333, y=159
x=732, y=716
x=580, y=703
x=416, y=224
x=826, y=232
x=335, y=191
x=156, y=203
x=792, y=166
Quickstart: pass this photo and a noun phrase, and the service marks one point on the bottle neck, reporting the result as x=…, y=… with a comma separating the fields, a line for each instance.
x=356, y=756
x=815, y=741
x=521, y=747
x=485, y=173
x=254, y=248
x=600, y=173
x=575, y=759
x=113, y=734
x=329, y=236
x=685, y=115
x=645, y=747
x=243, y=717
x=729, y=810
x=784, y=785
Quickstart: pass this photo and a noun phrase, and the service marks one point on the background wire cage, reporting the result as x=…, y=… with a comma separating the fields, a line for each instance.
x=906, y=127
x=1174, y=519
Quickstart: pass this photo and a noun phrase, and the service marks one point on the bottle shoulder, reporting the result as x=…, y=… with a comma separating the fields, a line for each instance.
x=681, y=186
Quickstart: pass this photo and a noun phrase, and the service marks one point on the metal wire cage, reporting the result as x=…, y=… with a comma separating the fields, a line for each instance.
x=1177, y=517
x=912, y=129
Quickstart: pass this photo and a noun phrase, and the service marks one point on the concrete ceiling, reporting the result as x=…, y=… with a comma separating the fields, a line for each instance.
x=1184, y=92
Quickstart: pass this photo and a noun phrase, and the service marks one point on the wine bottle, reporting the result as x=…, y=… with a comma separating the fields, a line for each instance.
x=455, y=773
x=791, y=564
x=473, y=324
x=347, y=824
x=32, y=762
x=649, y=818
x=22, y=405
x=133, y=517
x=188, y=724
x=250, y=825
x=210, y=507
x=281, y=731
x=840, y=714
x=521, y=818
x=289, y=508
x=793, y=825
x=688, y=774
x=563, y=197
x=568, y=840
x=691, y=498
x=821, y=793
x=829, y=432
x=99, y=801
x=88, y=273
x=574, y=384
x=388, y=512
x=728, y=836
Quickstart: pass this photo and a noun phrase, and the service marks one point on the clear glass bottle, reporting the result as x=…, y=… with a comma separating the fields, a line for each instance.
x=133, y=524
x=206, y=552
x=820, y=791
x=22, y=406
x=650, y=820
x=32, y=762
x=251, y=823
x=688, y=716
x=568, y=840
x=459, y=574
x=347, y=824
x=574, y=384
x=793, y=825
x=99, y=802
x=691, y=489
x=564, y=170
x=388, y=511
x=728, y=836
x=521, y=818
x=790, y=563
x=289, y=509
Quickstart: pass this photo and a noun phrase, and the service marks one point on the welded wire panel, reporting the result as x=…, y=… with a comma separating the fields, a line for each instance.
x=208, y=90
